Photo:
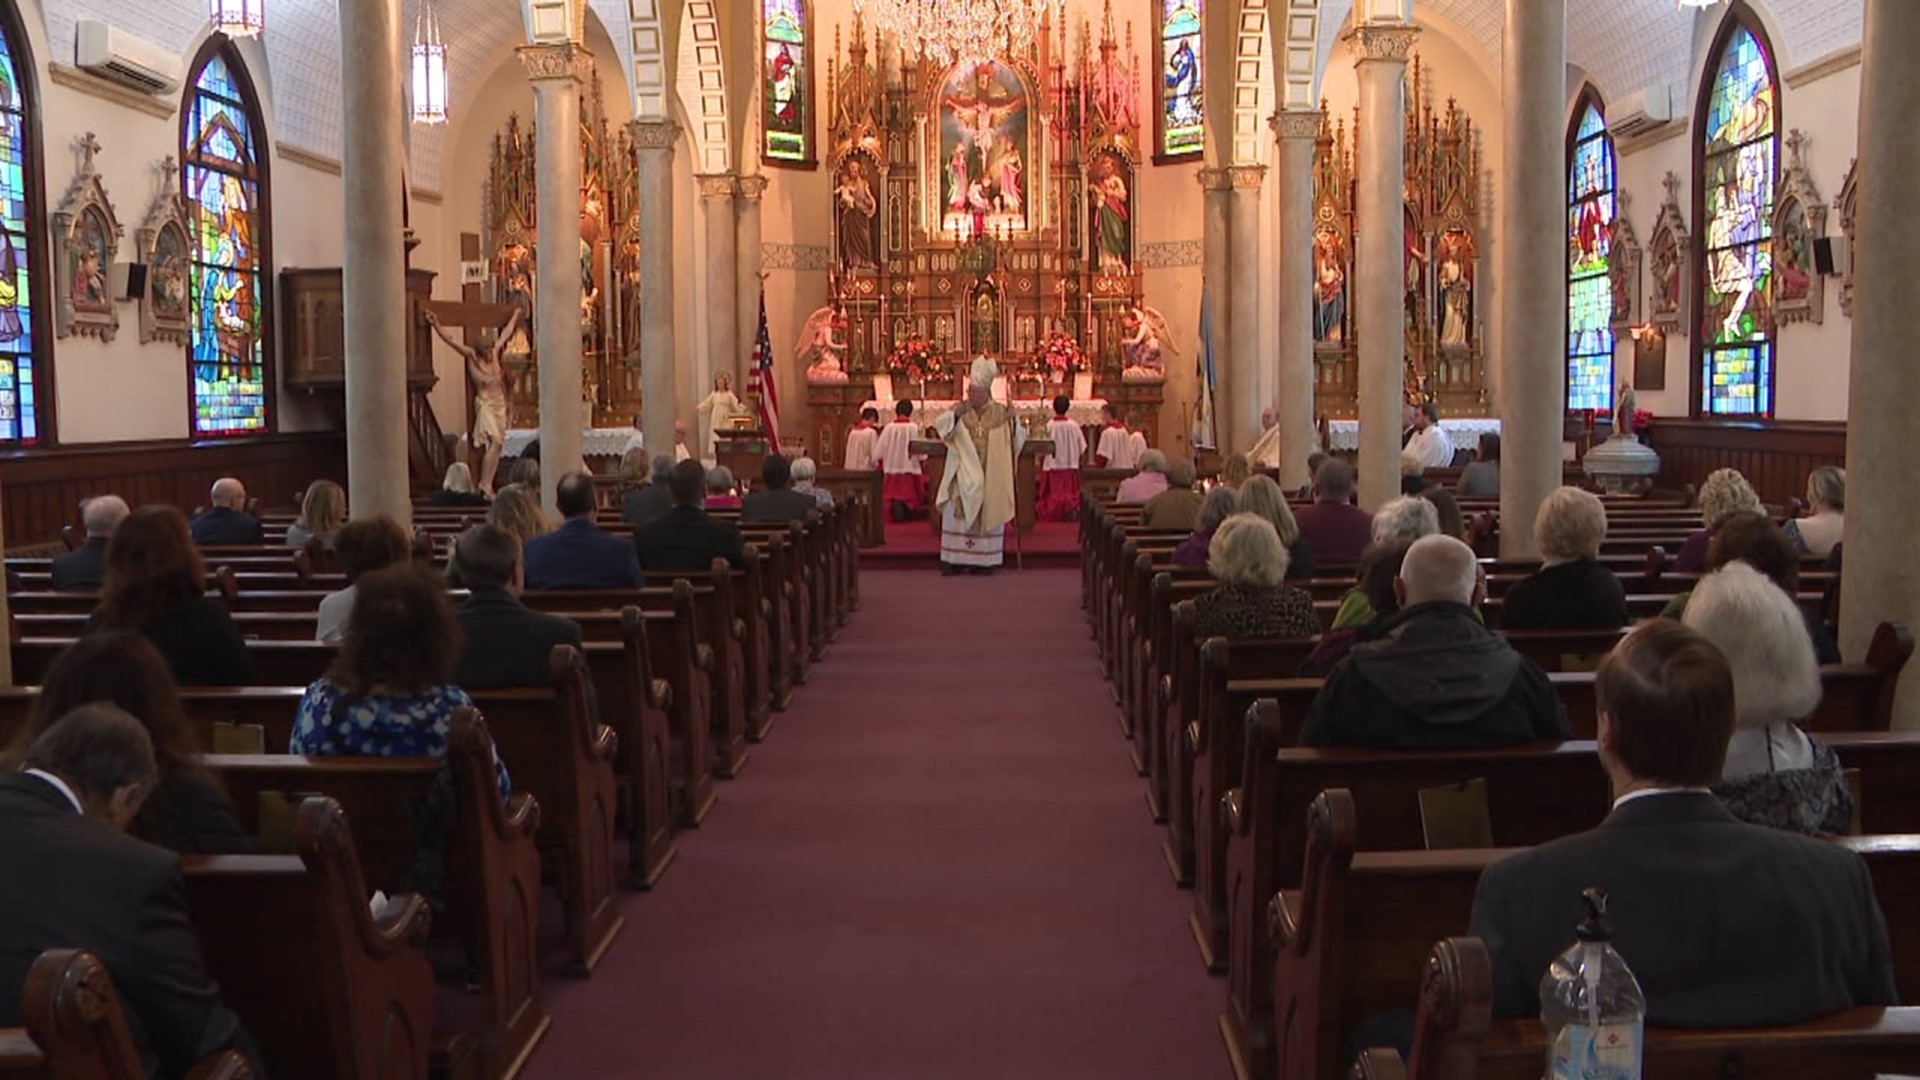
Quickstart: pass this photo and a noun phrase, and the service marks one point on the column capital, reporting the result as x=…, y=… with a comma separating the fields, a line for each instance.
x=1246, y=177
x=1297, y=124
x=1214, y=179
x=752, y=187
x=1385, y=43
x=715, y=185
x=654, y=133
x=564, y=60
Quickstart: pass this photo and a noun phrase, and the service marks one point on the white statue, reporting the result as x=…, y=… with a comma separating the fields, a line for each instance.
x=1147, y=337
x=819, y=349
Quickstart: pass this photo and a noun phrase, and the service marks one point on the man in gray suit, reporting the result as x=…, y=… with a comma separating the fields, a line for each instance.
x=777, y=501
x=1725, y=924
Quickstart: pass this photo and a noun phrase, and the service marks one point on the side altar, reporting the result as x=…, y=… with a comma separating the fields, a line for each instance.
x=983, y=208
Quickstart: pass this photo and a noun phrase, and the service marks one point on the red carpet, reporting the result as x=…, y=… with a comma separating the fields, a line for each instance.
x=914, y=545
x=939, y=866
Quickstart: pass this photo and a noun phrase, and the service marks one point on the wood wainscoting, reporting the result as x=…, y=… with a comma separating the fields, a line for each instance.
x=43, y=487
x=1774, y=457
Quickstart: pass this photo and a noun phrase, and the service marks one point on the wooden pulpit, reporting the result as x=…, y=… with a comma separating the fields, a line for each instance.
x=1026, y=478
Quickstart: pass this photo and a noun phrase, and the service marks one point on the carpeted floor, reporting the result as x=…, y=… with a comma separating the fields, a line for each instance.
x=914, y=545
x=938, y=866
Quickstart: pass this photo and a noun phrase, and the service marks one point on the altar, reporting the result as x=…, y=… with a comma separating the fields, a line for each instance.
x=1463, y=431
x=601, y=447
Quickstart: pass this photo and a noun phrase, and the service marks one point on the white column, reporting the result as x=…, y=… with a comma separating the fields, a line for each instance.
x=1252, y=389
x=1533, y=268
x=746, y=254
x=1380, y=55
x=653, y=140
x=6, y=655
x=374, y=286
x=1294, y=411
x=1216, y=276
x=716, y=209
x=1881, y=580
x=557, y=72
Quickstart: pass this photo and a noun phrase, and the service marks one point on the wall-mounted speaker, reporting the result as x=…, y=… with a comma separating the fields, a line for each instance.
x=1830, y=255
x=129, y=281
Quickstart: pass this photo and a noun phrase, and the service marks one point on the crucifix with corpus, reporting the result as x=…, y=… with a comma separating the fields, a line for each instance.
x=485, y=331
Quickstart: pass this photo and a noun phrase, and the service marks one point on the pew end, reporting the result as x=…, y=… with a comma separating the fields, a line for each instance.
x=75, y=1028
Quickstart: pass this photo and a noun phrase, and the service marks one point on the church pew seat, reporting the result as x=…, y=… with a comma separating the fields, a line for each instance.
x=323, y=985
x=1455, y=1039
x=491, y=885
x=1352, y=941
x=74, y=1028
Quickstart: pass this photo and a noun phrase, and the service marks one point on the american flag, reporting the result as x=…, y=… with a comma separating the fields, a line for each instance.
x=760, y=381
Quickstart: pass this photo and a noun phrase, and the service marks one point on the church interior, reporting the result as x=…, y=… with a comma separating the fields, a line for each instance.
x=1618, y=246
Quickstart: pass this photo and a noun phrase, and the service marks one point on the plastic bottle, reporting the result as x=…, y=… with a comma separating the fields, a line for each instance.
x=1591, y=1006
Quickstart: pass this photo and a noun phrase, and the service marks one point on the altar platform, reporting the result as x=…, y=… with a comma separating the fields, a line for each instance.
x=912, y=545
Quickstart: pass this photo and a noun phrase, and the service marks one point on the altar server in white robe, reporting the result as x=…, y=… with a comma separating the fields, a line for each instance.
x=1429, y=442
x=983, y=439
x=905, y=488
x=1118, y=447
x=1058, y=498
x=862, y=441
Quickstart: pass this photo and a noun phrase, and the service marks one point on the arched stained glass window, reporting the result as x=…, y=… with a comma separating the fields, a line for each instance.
x=786, y=93
x=22, y=385
x=224, y=183
x=1182, y=130
x=1590, y=211
x=1738, y=165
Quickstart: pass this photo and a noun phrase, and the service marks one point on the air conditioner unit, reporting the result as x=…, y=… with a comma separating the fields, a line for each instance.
x=1642, y=112
x=125, y=59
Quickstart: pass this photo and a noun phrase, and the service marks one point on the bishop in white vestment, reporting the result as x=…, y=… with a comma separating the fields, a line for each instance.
x=983, y=440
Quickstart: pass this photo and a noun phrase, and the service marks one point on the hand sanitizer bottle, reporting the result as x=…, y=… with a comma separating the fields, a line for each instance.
x=1591, y=1006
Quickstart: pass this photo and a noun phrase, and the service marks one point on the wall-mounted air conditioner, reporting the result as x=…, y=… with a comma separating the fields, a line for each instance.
x=117, y=55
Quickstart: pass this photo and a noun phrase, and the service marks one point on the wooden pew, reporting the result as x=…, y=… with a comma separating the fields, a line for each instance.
x=1454, y=1039
x=75, y=1029
x=325, y=987
x=492, y=881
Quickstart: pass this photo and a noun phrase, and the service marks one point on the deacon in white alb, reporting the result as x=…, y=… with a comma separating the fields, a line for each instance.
x=1431, y=445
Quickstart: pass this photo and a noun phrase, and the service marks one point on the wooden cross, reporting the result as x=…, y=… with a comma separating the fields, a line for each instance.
x=473, y=317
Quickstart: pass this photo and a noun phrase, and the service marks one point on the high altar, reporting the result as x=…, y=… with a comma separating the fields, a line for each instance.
x=983, y=207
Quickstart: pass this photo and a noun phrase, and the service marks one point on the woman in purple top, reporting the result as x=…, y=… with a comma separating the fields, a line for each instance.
x=1220, y=504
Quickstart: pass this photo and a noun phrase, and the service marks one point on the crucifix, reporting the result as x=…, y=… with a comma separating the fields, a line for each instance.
x=485, y=330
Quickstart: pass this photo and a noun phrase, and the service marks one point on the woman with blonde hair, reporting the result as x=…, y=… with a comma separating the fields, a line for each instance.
x=636, y=468
x=1262, y=495
x=1236, y=470
x=322, y=512
x=1250, y=563
x=1723, y=494
x=517, y=509
x=1571, y=590
x=1818, y=532
x=456, y=489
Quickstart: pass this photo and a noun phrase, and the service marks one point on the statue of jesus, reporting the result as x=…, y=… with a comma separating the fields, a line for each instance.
x=489, y=380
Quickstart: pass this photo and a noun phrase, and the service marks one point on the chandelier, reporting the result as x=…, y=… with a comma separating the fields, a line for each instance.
x=237, y=18
x=429, y=70
x=948, y=30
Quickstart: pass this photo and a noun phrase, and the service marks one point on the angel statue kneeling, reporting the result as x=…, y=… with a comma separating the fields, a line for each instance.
x=819, y=349
x=1146, y=337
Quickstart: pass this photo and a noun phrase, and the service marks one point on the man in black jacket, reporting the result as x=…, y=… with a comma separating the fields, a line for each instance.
x=688, y=538
x=71, y=878
x=1724, y=924
x=777, y=501
x=1436, y=678
x=507, y=644
x=227, y=523
x=651, y=501
x=579, y=554
x=85, y=567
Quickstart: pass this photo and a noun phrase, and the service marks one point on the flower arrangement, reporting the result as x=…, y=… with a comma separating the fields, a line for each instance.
x=913, y=360
x=1058, y=355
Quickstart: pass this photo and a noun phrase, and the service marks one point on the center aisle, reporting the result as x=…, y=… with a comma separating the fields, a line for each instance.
x=938, y=865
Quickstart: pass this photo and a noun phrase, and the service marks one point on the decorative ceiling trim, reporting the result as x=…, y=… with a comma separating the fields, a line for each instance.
x=1250, y=42
x=300, y=155
x=1830, y=64
x=1296, y=49
x=1663, y=133
x=105, y=89
x=649, y=59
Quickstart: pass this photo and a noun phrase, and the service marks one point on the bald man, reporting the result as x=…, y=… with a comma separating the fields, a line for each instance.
x=227, y=523
x=85, y=567
x=1433, y=677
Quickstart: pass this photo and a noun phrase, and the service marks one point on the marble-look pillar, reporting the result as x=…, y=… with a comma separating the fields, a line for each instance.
x=1380, y=55
x=1252, y=373
x=374, y=288
x=716, y=209
x=746, y=253
x=653, y=140
x=557, y=73
x=1293, y=411
x=1533, y=268
x=1881, y=580
x=6, y=655
x=1216, y=291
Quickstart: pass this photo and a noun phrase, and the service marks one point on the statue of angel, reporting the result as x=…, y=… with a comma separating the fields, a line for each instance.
x=1147, y=336
x=822, y=345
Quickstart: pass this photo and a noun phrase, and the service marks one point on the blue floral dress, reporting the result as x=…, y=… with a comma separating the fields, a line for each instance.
x=392, y=725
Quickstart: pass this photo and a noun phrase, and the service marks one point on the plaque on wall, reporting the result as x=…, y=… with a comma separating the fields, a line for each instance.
x=1649, y=358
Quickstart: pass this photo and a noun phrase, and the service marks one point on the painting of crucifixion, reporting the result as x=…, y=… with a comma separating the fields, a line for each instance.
x=984, y=149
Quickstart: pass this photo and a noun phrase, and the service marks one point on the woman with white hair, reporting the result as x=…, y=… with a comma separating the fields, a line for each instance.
x=1571, y=590
x=1220, y=504
x=1774, y=774
x=1399, y=522
x=721, y=492
x=1150, y=480
x=805, y=472
x=457, y=488
x=1818, y=532
x=1261, y=495
x=1723, y=494
x=1249, y=562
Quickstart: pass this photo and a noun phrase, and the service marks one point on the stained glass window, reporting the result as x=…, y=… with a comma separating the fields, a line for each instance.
x=228, y=282
x=1181, y=126
x=786, y=94
x=1590, y=209
x=1737, y=181
x=19, y=395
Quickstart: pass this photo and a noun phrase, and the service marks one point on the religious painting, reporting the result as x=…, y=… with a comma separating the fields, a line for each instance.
x=786, y=102
x=161, y=243
x=226, y=278
x=1455, y=284
x=1182, y=123
x=19, y=223
x=984, y=149
x=1649, y=359
x=1592, y=299
x=1329, y=286
x=86, y=236
x=856, y=214
x=515, y=271
x=1415, y=259
x=1738, y=164
x=1799, y=289
x=1110, y=205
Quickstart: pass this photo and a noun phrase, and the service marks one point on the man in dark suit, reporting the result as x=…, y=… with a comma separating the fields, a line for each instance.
x=227, y=523
x=85, y=567
x=777, y=501
x=688, y=538
x=506, y=643
x=649, y=503
x=1724, y=924
x=71, y=878
x=579, y=554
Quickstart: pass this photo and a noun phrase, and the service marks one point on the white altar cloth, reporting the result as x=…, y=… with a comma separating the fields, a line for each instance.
x=1086, y=413
x=1464, y=431
x=594, y=442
